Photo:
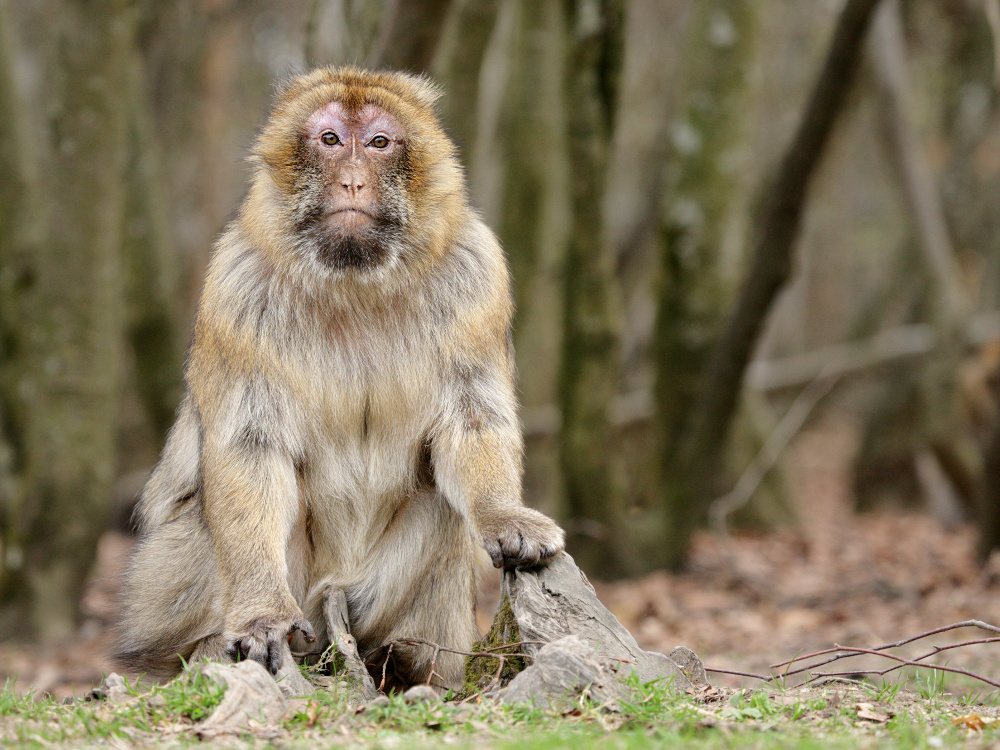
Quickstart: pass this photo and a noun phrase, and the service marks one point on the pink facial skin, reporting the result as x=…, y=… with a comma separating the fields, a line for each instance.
x=354, y=146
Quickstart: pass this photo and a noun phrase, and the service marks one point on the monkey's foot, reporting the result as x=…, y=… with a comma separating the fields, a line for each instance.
x=263, y=640
x=523, y=539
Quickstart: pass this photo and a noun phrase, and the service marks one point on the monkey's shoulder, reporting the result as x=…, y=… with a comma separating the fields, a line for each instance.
x=473, y=281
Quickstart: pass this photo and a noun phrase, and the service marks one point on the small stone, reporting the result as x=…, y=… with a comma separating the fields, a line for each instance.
x=379, y=701
x=564, y=671
x=421, y=694
x=251, y=695
x=112, y=689
x=690, y=665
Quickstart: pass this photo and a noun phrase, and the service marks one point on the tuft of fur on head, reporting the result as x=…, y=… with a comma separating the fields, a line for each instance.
x=425, y=199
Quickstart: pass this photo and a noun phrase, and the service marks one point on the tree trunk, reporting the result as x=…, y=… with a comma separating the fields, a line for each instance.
x=699, y=200
x=458, y=65
x=589, y=377
x=69, y=388
x=19, y=227
x=153, y=274
x=770, y=269
x=409, y=35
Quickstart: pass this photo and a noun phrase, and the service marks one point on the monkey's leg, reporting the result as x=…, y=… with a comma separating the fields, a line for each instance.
x=170, y=599
x=419, y=583
x=476, y=454
x=252, y=508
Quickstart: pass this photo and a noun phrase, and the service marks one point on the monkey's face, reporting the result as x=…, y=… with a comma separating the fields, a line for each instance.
x=352, y=207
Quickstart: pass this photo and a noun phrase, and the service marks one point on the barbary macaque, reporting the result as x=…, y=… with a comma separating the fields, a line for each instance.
x=350, y=419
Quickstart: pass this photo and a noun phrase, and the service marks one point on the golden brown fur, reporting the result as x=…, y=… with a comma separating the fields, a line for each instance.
x=350, y=418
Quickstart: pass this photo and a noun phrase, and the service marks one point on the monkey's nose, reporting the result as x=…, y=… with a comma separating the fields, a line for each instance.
x=353, y=186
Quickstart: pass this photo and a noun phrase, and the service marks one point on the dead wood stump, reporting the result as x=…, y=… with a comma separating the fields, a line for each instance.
x=557, y=600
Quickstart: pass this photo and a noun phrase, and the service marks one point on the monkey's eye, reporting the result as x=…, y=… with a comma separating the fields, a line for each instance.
x=329, y=138
x=379, y=141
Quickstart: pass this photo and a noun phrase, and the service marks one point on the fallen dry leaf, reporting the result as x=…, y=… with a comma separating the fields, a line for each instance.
x=868, y=712
x=975, y=722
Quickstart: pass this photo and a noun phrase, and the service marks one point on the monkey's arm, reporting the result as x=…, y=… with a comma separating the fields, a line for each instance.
x=250, y=504
x=477, y=454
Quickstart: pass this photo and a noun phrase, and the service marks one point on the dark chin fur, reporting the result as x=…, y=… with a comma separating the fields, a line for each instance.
x=366, y=250
x=362, y=252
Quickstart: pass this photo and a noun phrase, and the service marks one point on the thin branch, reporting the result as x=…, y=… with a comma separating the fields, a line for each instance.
x=911, y=663
x=762, y=677
x=845, y=652
x=771, y=451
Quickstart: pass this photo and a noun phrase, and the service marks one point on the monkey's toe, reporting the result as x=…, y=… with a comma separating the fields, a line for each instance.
x=302, y=625
x=265, y=642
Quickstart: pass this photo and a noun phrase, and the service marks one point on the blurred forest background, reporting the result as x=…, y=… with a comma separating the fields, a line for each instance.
x=727, y=220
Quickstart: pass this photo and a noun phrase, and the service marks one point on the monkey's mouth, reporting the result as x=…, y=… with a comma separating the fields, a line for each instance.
x=351, y=218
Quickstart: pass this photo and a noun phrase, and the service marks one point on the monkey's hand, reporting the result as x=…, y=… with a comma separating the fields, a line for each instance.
x=519, y=537
x=262, y=640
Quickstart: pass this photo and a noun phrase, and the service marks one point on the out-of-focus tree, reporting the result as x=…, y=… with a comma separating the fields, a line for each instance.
x=69, y=302
x=590, y=373
x=769, y=270
x=409, y=36
x=702, y=183
x=458, y=67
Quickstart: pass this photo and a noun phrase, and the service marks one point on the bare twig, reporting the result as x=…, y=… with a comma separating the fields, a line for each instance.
x=761, y=677
x=910, y=663
x=843, y=652
x=385, y=665
x=772, y=449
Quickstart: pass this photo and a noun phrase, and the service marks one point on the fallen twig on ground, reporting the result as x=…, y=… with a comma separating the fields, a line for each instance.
x=843, y=652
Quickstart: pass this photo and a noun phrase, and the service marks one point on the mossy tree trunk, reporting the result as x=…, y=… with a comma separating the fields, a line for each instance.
x=701, y=188
x=69, y=370
x=457, y=66
x=534, y=229
x=153, y=275
x=590, y=367
x=770, y=268
x=18, y=246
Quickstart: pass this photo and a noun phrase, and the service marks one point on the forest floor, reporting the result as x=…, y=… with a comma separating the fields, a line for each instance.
x=747, y=602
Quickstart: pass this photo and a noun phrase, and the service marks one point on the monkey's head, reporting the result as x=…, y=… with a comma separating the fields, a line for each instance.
x=363, y=175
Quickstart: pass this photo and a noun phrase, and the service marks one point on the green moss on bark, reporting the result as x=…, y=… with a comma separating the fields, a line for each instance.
x=481, y=670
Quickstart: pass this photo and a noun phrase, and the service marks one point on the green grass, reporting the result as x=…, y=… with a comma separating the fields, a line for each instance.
x=651, y=716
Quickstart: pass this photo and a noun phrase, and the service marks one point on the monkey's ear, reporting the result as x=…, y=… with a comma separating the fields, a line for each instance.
x=425, y=91
x=286, y=87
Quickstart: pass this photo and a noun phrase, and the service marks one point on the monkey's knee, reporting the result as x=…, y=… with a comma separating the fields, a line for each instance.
x=169, y=599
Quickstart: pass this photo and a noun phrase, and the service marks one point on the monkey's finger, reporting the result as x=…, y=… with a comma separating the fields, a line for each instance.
x=493, y=550
x=254, y=648
x=513, y=549
x=547, y=551
x=274, y=655
x=305, y=628
x=529, y=558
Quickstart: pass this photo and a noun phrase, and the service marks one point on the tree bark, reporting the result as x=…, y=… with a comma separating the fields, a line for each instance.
x=69, y=389
x=589, y=376
x=409, y=35
x=457, y=66
x=769, y=270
